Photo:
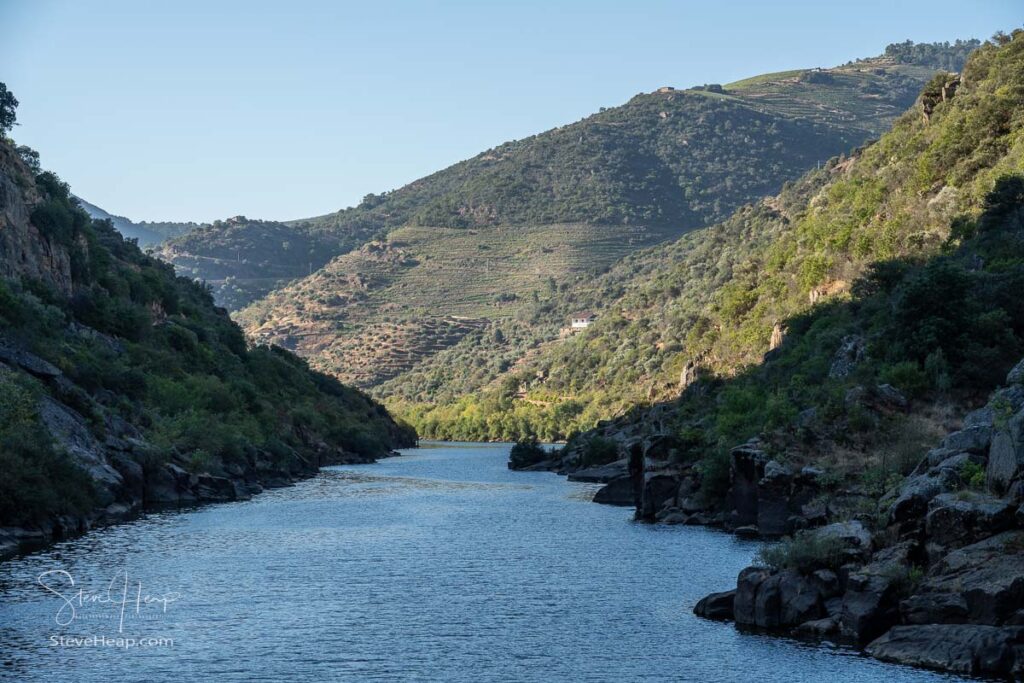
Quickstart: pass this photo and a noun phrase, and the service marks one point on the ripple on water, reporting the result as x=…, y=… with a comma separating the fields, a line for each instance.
x=438, y=565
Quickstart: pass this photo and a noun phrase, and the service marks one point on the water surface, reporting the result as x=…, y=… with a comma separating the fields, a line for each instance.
x=437, y=565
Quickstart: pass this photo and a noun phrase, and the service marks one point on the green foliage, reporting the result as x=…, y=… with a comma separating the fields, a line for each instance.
x=598, y=451
x=8, y=109
x=945, y=56
x=914, y=245
x=973, y=475
x=38, y=480
x=806, y=551
x=149, y=347
x=527, y=452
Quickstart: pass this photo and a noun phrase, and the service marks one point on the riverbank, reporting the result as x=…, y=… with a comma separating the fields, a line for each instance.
x=927, y=572
x=440, y=564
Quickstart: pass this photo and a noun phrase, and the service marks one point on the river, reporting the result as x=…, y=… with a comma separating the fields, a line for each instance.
x=440, y=564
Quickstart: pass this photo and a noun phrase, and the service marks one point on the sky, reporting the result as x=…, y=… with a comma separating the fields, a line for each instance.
x=198, y=110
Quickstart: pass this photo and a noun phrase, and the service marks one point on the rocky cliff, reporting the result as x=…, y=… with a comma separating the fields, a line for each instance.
x=123, y=388
x=939, y=582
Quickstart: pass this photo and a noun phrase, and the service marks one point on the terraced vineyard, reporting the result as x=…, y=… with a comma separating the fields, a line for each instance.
x=374, y=313
x=473, y=267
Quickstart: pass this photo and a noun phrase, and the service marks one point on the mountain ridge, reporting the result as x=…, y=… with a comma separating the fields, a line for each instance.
x=500, y=230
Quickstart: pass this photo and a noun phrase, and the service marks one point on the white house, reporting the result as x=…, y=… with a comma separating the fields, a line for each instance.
x=582, y=320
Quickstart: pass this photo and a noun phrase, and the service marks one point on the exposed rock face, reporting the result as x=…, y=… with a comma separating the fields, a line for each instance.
x=765, y=493
x=716, y=606
x=942, y=586
x=970, y=650
x=125, y=478
x=619, y=491
x=24, y=252
x=849, y=355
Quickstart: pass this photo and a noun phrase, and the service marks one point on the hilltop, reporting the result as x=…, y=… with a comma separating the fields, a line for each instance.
x=487, y=246
x=146, y=233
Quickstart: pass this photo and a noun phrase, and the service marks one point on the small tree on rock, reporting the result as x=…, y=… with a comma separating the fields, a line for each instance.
x=8, y=109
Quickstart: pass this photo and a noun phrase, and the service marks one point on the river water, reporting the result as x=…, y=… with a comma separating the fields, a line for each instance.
x=437, y=565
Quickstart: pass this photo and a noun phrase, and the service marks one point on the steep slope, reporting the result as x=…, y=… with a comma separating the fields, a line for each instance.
x=495, y=237
x=714, y=301
x=146, y=233
x=242, y=259
x=122, y=386
x=853, y=383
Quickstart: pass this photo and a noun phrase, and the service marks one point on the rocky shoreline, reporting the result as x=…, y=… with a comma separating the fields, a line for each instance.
x=126, y=478
x=930, y=575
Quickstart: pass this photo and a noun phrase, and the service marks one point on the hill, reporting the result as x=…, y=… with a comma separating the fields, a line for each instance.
x=242, y=259
x=146, y=233
x=122, y=386
x=494, y=238
x=717, y=300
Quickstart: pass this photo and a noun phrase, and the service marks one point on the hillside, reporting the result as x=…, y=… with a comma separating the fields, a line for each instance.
x=243, y=259
x=712, y=302
x=495, y=239
x=146, y=233
x=124, y=387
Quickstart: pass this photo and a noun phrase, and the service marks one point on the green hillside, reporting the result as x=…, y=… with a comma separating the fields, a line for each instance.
x=243, y=259
x=828, y=258
x=499, y=238
x=123, y=385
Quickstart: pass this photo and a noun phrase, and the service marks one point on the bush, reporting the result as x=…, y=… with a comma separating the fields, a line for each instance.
x=599, y=451
x=526, y=452
x=805, y=552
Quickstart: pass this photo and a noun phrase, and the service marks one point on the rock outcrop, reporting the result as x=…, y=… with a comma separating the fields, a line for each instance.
x=941, y=585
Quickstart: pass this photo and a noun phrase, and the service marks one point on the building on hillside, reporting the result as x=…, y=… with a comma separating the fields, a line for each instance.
x=581, y=320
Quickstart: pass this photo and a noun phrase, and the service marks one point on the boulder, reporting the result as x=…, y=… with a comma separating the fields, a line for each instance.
x=658, y=489
x=958, y=519
x=770, y=600
x=674, y=517
x=30, y=363
x=801, y=599
x=965, y=649
x=848, y=356
x=1016, y=375
x=934, y=608
x=773, y=500
x=746, y=468
x=818, y=628
x=208, y=487
x=747, y=584
x=717, y=606
x=618, y=491
x=869, y=606
x=602, y=474
x=1006, y=454
x=973, y=439
x=853, y=534
x=911, y=500
x=988, y=576
x=73, y=435
x=747, y=531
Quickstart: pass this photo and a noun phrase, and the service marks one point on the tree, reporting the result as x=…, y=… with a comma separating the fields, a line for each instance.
x=8, y=107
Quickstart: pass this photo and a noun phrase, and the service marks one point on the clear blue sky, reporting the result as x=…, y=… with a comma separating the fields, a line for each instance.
x=196, y=110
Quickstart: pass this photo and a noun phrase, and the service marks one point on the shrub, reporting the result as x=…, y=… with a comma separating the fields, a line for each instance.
x=973, y=475
x=805, y=552
x=526, y=452
x=599, y=451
